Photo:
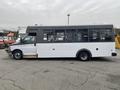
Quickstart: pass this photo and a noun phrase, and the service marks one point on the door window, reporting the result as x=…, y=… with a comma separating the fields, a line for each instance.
x=28, y=40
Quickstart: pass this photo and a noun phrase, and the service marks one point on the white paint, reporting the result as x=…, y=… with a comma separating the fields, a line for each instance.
x=27, y=49
x=71, y=49
x=48, y=50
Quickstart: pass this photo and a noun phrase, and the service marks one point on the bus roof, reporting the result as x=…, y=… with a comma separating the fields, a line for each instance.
x=74, y=26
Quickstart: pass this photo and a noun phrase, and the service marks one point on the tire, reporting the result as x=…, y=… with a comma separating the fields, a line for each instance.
x=84, y=56
x=17, y=55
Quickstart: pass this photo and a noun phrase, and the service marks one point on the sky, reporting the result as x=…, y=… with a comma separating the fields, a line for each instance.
x=14, y=13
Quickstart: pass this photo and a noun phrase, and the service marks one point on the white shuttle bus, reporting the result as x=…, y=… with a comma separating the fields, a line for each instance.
x=83, y=42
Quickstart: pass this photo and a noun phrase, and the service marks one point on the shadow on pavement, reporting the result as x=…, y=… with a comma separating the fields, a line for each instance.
x=102, y=59
x=98, y=59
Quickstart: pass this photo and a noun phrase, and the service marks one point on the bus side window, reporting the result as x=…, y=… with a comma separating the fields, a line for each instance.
x=100, y=35
x=48, y=36
x=59, y=35
x=70, y=35
x=82, y=35
x=106, y=35
x=94, y=35
x=45, y=37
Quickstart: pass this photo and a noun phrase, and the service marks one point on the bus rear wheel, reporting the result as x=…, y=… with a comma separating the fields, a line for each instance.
x=84, y=56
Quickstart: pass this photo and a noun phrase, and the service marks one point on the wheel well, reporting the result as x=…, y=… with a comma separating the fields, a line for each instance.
x=84, y=50
x=16, y=50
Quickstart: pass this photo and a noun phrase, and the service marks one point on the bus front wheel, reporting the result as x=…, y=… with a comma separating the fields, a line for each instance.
x=17, y=55
x=84, y=56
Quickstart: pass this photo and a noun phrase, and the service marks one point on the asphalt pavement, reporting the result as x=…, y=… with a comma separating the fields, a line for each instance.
x=59, y=74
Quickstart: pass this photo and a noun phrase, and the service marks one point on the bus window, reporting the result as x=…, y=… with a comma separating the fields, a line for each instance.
x=106, y=35
x=100, y=35
x=70, y=35
x=94, y=35
x=48, y=36
x=82, y=35
x=59, y=35
x=45, y=37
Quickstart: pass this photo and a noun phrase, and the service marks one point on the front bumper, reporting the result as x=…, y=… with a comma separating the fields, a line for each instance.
x=9, y=52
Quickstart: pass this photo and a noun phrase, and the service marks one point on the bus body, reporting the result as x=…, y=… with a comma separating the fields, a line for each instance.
x=66, y=41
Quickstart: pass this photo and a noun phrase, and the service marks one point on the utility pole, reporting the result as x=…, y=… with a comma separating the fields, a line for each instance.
x=68, y=18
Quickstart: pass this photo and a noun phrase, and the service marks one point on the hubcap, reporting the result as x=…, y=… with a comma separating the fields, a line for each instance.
x=83, y=56
x=17, y=55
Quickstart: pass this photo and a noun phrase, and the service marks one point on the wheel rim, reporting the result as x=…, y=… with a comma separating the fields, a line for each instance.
x=83, y=56
x=17, y=55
